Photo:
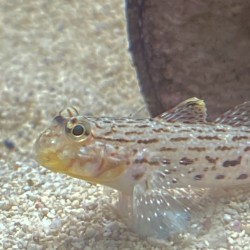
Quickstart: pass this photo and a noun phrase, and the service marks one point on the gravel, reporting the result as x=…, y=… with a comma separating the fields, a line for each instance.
x=54, y=54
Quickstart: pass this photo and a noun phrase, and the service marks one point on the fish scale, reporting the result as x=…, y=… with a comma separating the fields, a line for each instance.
x=147, y=158
x=193, y=154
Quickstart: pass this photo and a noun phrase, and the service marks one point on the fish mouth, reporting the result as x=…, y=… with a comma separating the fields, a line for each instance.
x=97, y=171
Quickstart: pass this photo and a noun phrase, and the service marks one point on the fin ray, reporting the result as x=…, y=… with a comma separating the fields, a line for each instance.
x=237, y=116
x=163, y=212
x=157, y=214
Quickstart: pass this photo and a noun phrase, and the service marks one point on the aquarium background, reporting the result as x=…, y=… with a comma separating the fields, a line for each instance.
x=54, y=54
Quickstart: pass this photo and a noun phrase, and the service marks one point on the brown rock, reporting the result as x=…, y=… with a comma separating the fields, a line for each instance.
x=191, y=48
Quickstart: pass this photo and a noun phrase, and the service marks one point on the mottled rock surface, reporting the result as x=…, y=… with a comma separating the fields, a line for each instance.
x=191, y=48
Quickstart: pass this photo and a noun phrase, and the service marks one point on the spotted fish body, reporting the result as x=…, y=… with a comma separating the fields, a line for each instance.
x=144, y=158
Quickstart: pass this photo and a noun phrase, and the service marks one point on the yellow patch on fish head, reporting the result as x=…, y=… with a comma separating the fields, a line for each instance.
x=68, y=146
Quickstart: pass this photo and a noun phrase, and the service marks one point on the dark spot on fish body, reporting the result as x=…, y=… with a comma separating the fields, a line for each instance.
x=140, y=161
x=114, y=139
x=197, y=149
x=223, y=148
x=122, y=125
x=220, y=177
x=197, y=130
x=178, y=139
x=165, y=162
x=232, y=163
x=162, y=149
x=198, y=177
x=138, y=176
x=246, y=149
x=186, y=161
x=184, y=131
x=154, y=163
x=239, y=138
x=144, y=160
x=211, y=160
x=205, y=169
x=122, y=140
x=142, y=126
x=191, y=170
x=147, y=141
x=208, y=137
x=242, y=177
x=172, y=170
x=135, y=150
x=133, y=132
x=220, y=130
x=159, y=130
x=176, y=125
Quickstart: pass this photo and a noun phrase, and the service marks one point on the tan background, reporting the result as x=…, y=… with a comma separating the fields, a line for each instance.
x=191, y=48
x=54, y=54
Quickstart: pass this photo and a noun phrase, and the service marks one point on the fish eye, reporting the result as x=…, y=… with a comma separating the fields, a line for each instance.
x=78, y=129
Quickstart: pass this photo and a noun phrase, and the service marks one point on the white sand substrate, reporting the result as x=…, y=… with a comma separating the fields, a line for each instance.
x=54, y=54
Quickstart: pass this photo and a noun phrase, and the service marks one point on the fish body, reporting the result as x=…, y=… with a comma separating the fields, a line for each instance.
x=177, y=149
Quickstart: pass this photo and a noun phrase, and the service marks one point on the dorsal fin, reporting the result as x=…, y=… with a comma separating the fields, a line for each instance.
x=193, y=110
x=237, y=116
x=141, y=112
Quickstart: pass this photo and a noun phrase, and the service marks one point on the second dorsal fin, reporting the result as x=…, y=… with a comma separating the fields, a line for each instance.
x=237, y=116
x=193, y=110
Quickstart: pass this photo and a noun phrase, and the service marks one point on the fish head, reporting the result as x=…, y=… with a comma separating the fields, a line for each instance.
x=70, y=146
